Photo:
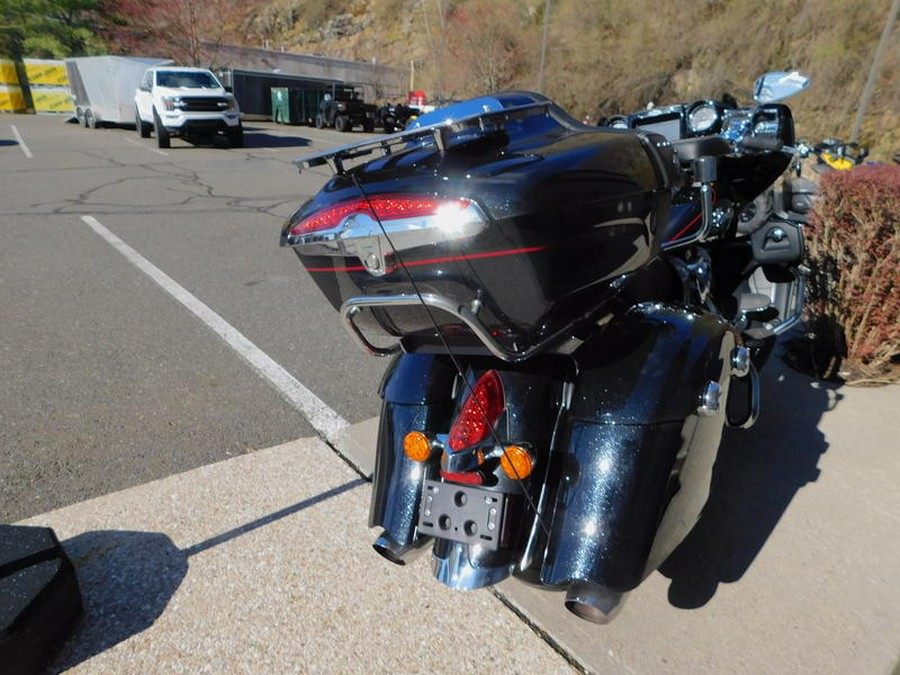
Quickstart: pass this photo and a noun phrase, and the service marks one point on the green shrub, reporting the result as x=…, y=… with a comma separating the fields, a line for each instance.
x=854, y=258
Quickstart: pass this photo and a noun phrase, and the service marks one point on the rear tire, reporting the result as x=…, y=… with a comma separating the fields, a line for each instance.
x=89, y=120
x=320, y=121
x=163, y=140
x=143, y=128
x=342, y=123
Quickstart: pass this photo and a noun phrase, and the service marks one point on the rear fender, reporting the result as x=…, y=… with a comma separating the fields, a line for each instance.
x=533, y=394
x=637, y=450
x=417, y=395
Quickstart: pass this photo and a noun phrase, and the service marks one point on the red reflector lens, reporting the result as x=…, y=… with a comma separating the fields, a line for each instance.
x=384, y=207
x=479, y=413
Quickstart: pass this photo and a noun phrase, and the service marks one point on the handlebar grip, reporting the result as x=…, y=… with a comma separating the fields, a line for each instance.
x=757, y=143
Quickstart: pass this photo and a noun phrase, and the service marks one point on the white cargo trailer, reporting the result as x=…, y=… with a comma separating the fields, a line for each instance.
x=103, y=87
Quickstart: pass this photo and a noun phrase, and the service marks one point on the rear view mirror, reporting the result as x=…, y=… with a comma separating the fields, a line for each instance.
x=778, y=86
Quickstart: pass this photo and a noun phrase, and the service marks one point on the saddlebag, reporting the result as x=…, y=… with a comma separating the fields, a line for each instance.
x=638, y=449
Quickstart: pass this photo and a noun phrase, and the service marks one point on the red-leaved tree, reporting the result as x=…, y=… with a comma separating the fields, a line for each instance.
x=187, y=31
x=492, y=45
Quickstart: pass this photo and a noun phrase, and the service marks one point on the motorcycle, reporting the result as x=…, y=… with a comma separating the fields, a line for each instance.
x=570, y=325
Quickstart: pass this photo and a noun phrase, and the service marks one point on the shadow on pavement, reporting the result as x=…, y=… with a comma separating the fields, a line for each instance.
x=757, y=474
x=256, y=138
x=128, y=578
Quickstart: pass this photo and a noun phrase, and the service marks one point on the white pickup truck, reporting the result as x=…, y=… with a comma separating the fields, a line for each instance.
x=186, y=102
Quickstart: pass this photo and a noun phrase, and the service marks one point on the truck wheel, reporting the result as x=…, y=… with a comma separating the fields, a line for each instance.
x=236, y=136
x=320, y=121
x=342, y=123
x=143, y=128
x=162, y=135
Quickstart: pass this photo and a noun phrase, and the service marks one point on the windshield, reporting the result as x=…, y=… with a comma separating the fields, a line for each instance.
x=188, y=80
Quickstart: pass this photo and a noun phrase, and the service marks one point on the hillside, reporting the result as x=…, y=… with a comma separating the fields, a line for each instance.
x=605, y=56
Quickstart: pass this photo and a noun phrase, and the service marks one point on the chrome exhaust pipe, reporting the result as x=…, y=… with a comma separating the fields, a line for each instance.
x=400, y=554
x=593, y=602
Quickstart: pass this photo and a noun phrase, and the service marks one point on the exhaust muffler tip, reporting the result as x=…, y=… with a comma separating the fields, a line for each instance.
x=399, y=554
x=593, y=602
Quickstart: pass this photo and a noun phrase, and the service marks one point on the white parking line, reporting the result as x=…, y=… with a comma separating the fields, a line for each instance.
x=146, y=147
x=21, y=142
x=324, y=420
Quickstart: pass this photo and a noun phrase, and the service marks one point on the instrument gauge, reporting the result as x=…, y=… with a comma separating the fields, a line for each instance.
x=703, y=117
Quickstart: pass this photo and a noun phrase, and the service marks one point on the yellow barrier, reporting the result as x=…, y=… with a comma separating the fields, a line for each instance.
x=8, y=73
x=52, y=100
x=46, y=73
x=11, y=99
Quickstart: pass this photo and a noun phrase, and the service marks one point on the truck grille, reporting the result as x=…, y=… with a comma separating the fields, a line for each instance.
x=204, y=104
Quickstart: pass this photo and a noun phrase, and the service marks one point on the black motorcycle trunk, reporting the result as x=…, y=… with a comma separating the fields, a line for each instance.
x=566, y=215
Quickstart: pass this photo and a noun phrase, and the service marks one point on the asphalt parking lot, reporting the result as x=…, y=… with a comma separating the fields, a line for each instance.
x=174, y=435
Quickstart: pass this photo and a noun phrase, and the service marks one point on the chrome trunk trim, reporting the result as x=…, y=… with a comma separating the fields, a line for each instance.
x=362, y=236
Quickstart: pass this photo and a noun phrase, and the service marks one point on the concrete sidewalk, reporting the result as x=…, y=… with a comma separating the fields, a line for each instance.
x=263, y=563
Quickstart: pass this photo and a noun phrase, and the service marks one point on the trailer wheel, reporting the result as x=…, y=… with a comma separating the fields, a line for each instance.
x=162, y=135
x=89, y=119
x=143, y=127
x=342, y=123
x=79, y=116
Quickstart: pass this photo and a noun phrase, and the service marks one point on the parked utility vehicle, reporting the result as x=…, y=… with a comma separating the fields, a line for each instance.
x=186, y=102
x=343, y=108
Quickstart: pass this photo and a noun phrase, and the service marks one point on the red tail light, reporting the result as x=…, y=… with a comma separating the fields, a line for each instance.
x=479, y=413
x=384, y=208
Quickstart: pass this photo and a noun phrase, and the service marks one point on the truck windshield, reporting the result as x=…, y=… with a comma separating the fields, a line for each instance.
x=187, y=80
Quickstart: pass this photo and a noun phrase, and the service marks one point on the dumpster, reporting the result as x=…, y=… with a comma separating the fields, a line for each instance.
x=291, y=105
x=306, y=104
x=281, y=106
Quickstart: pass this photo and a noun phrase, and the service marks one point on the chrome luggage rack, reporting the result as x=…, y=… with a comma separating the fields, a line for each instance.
x=439, y=135
x=467, y=314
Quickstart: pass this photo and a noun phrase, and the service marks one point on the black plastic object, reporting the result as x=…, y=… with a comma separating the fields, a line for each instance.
x=778, y=241
x=39, y=598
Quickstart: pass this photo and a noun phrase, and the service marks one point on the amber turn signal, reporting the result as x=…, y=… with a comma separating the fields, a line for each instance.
x=417, y=446
x=516, y=462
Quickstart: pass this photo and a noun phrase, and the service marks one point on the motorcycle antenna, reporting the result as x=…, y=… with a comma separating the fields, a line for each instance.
x=446, y=345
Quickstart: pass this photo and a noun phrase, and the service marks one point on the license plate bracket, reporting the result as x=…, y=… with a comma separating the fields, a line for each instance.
x=463, y=513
